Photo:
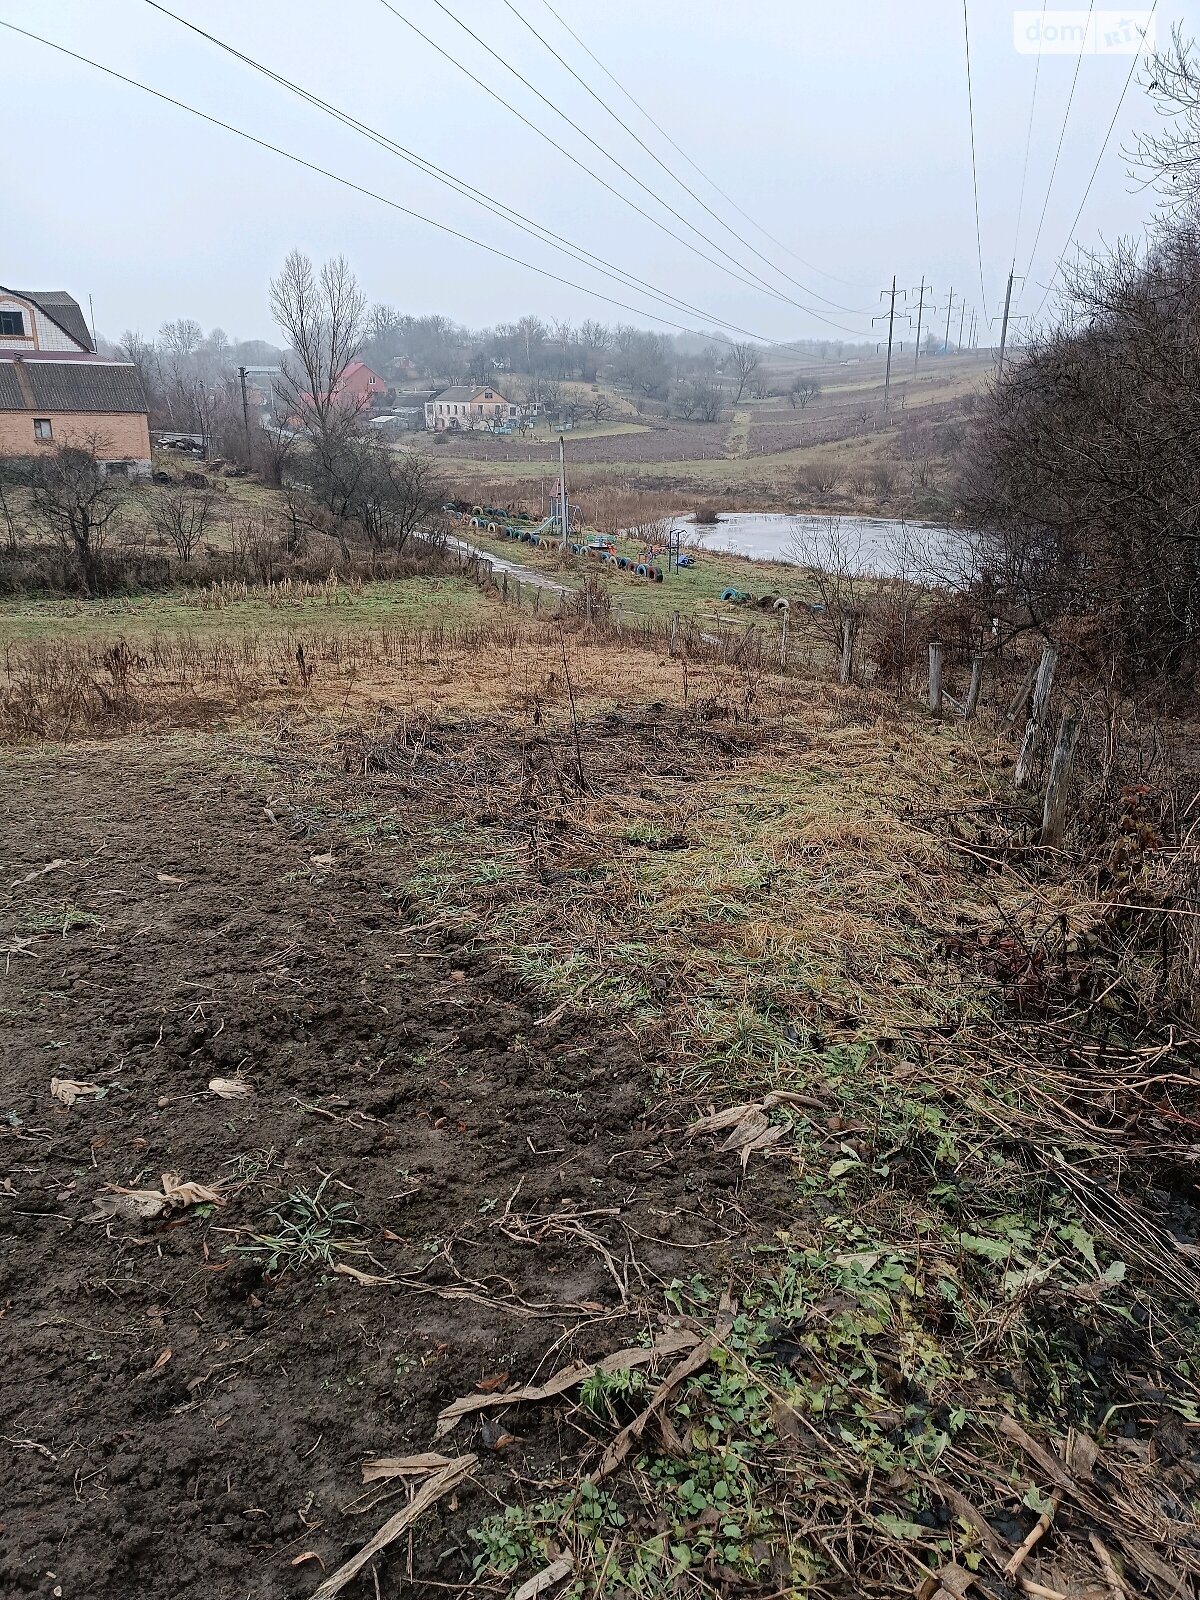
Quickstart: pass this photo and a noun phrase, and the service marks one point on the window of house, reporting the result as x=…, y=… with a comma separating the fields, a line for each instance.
x=12, y=323
x=42, y=428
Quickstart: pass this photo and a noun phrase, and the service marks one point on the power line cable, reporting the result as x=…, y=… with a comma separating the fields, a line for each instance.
x=729, y=200
x=974, y=167
x=1028, y=141
x=752, y=282
x=1104, y=146
x=675, y=178
x=1058, y=148
x=370, y=194
x=458, y=185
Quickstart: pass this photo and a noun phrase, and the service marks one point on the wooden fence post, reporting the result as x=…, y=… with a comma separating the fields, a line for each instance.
x=783, y=645
x=1042, y=685
x=537, y=601
x=935, y=679
x=1054, y=812
x=971, y=703
x=846, y=665
x=674, y=633
x=1022, y=694
x=504, y=585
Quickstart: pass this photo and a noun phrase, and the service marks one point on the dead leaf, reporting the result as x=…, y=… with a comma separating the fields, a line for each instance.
x=163, y=1358
x=403, y=1466
x=545, y=1579
x=38, y=872
x=231, y=1088
x=496, y=1381
x=68, y=1090
x=670, y=1342
x=141, y=1204
x=191, y=1194
x=168, y=877
x=324, y=861
x=307, y=1555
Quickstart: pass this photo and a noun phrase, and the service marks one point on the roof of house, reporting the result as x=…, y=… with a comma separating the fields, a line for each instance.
x=35, y=383
x=352, y=367
x=62, y=309
x=468, y=391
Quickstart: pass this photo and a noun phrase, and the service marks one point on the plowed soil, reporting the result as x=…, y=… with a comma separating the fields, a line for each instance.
x=176, y=1419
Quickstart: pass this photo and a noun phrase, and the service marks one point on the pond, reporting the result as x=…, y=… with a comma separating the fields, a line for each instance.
x=878, y=545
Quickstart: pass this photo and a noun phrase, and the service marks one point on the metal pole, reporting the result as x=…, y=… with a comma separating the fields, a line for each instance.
x=920, y=315
x=962, y=317
x=946, y=340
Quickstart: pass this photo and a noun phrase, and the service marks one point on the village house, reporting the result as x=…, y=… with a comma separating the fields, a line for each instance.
x=55, y=390
x=356, y=388
x=466, y=406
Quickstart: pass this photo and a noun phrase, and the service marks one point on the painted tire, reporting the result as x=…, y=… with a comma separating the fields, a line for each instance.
x=781, y=604
x=729, y=594
x=533, y=539
x=623, y=563
x=658, y=574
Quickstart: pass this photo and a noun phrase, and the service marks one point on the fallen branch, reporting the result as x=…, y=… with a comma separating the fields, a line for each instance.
x=668, y=1343
x=441, y=1484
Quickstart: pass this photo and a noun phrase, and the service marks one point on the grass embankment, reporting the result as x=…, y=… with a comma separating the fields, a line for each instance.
x=694, y=591
x=408, y=602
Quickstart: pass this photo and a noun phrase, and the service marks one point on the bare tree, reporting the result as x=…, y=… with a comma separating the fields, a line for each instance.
x=76, y=500
x=746, y=363
x=803, y=392
x=600, y=409
x=323, y=315
x=180, y=516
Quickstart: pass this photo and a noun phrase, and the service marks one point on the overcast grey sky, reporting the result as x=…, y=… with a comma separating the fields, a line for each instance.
x=842, y=128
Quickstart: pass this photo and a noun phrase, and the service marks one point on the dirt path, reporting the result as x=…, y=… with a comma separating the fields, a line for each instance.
x=175, y=1418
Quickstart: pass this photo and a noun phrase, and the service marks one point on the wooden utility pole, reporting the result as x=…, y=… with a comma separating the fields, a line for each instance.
x=920, y=317
x=890, y=294
x=962, y=317
x=1004, y=323
x=246, y=416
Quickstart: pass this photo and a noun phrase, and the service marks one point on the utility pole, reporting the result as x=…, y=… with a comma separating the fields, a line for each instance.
x=246, y=417
x=1004, y=323
x=946, y=340
x=890, y=294
x=962, y=317
x=974, y=325
x=920, y=315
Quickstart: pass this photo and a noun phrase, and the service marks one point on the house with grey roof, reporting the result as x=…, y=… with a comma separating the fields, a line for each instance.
x=55, y=390
x=58, y=397
x=466, y=406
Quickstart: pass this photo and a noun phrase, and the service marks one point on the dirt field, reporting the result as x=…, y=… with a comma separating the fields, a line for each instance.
x=176, y=1419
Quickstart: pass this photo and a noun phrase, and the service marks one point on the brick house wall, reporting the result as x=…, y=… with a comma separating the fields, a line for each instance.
x=126, y=435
